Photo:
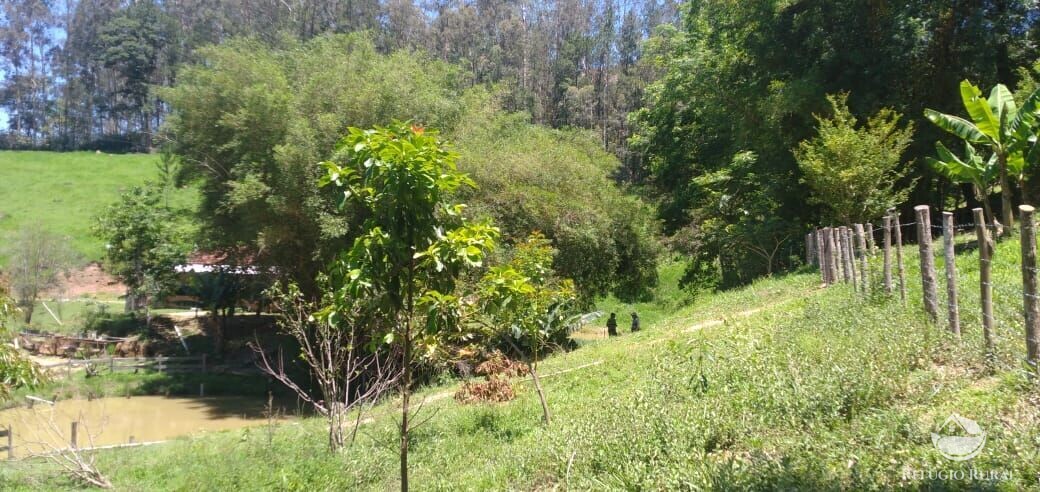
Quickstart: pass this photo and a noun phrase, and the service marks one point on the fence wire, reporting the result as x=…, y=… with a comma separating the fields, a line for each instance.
x=1007, y=293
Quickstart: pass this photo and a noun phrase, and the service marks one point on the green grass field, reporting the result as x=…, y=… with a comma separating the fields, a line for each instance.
x=780, y=385
x=63, y=191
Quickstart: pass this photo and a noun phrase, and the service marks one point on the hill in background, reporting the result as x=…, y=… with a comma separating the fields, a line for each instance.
x=63, y=192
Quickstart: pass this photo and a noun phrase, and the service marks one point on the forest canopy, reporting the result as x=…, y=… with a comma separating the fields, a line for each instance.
x=743, y=79
x=704, y=104
x=252, y=122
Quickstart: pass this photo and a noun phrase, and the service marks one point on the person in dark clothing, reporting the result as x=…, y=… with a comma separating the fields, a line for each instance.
x=612, y=325
x=635, y=322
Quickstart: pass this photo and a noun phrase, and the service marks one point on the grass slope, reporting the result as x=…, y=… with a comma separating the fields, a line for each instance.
x=781, y=385
x=64, y=191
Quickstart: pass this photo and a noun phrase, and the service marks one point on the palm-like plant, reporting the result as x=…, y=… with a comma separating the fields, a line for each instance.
x=999, y=124
x=973, y=169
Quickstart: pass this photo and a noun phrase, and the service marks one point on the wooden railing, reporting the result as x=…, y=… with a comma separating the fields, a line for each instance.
x=117, y=364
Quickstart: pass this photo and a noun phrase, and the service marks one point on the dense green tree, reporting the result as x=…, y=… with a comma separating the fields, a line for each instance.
x=132, y=44
x=748, y=76
x=413, y=244
x=852, y=168
x=252, y=121
x=144, y=245
x=558, y=183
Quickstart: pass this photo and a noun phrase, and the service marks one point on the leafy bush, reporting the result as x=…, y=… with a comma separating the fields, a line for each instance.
x=16, y=370
x=853, y=169
x=526, y=303
x=558, y=182
x=98, y=318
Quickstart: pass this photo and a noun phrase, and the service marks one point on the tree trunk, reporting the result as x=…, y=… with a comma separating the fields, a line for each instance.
x=335, y=419
x=533, y=367
x=406, y=385
x=1006, y=213
x=984, y=201
x=404, y=416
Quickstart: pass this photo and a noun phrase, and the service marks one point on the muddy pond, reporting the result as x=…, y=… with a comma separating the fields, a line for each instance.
x=113, y=421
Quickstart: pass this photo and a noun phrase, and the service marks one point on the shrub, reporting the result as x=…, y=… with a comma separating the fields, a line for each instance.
x=853, y=168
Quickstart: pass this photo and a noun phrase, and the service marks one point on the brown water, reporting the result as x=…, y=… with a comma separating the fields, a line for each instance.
x=111, y=421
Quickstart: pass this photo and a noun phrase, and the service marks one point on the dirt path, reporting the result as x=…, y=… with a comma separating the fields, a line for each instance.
x=698, y=326
x=751, y=312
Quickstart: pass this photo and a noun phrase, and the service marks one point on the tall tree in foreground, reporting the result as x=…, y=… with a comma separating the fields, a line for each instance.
x=413, y=245
x=854, y=169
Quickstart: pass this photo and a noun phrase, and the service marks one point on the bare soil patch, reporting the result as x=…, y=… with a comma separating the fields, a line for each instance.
x=87, y=281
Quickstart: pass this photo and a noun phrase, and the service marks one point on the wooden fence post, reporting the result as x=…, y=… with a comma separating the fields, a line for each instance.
x=829, y=244
x=986, y=289
x=839, y=240
x=808, y=249
x=864, y=274
x=951, y=274
x=203, y=362
x=838, y=266
x=870, y=238
x=898, y=230
x=821, y=255
x=73, y=436
x=850, y=256
x=842, y=249
x=886, y=272
x=924, y=247
x=832, y=242
x=1029, y=286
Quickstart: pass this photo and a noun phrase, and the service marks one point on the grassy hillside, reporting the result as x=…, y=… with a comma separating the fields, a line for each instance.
x=776, y=386
x=63, y=191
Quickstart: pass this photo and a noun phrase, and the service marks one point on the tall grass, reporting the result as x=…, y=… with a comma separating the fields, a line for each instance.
x=796, y=388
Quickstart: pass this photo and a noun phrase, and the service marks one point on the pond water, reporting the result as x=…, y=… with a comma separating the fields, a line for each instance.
x=111, y=421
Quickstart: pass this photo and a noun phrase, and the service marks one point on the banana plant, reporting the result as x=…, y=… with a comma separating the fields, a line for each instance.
x=998, y=124
x=972, y=170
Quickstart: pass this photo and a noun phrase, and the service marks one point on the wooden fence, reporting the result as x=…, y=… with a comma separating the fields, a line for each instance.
x=844, y=255
x=117, y=364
